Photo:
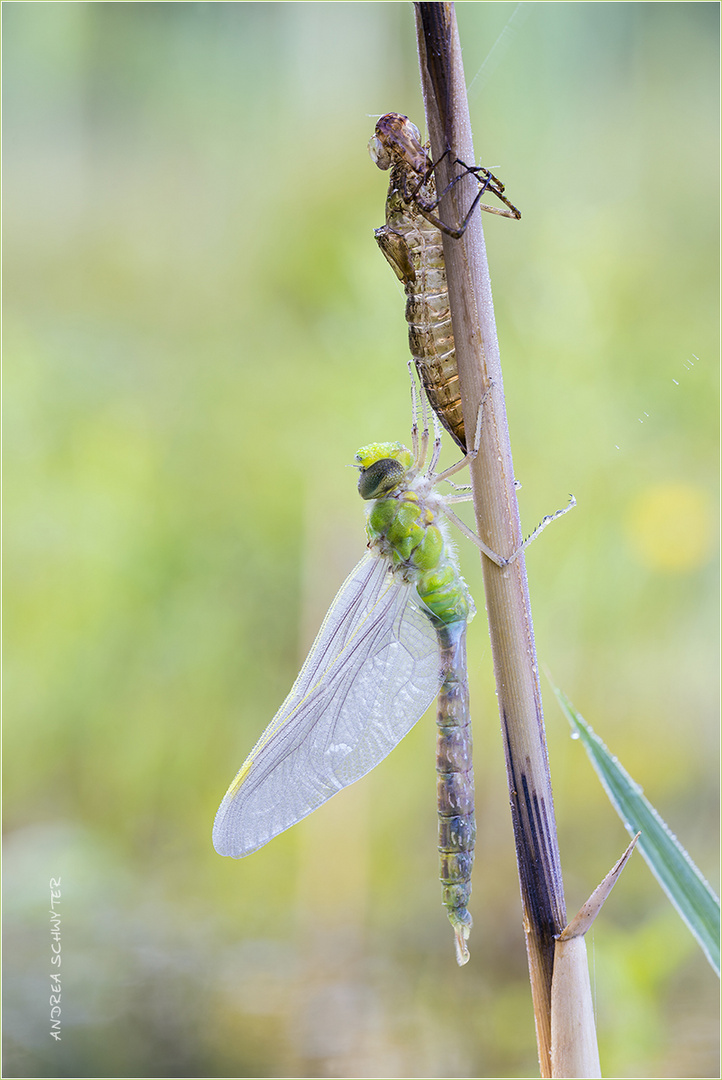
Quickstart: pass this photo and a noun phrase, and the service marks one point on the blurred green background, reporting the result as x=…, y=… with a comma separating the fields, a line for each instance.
x=199, y=333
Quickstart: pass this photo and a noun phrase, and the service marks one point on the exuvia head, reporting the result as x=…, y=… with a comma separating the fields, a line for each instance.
x=396, y=137
x=383, y=467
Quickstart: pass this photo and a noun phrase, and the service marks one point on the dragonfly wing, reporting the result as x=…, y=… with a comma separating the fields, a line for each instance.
x=372, y=672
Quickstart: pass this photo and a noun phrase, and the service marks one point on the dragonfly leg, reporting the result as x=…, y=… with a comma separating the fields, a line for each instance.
x=542, y=526
x=471, y=535
x=498, y=559
x=436, y=451
x=414, y=192
x=453, y=469
x=512, y=212
x=419, y=445
x=462, y=497
x=487, y=182
x=414, y=415
x=457, y=233
x=463, y=492
x=424, y=447
x=494, y=185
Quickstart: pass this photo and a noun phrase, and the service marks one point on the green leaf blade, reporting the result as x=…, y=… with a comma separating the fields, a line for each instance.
x=675, y=871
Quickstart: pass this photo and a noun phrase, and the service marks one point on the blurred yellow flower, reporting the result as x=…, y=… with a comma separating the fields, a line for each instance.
x=671, y=527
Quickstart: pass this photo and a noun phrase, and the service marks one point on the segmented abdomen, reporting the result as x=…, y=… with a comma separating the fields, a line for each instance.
x=413, y=247
x=455, y=784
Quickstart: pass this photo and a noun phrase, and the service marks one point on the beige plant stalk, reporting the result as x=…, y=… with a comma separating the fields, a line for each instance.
x=507, y=594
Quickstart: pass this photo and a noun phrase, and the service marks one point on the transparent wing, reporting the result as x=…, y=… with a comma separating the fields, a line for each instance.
x=372, y=672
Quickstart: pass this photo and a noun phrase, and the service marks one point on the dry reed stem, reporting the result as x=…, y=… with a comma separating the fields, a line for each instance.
x=497, y=515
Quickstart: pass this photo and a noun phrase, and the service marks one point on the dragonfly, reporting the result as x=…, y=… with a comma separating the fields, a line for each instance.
x=393, y=639
x=412, y=244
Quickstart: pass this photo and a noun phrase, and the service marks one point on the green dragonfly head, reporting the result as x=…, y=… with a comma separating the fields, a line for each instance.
x=383, y=467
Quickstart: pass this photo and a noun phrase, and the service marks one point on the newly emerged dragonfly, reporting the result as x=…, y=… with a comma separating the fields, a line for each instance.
x=411, y=241
x=393, y=639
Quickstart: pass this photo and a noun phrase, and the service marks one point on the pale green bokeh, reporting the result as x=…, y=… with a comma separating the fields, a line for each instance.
x=199, y=334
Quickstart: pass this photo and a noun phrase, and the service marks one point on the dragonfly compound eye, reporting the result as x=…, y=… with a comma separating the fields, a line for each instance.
x=380, y=478
x=379, y=154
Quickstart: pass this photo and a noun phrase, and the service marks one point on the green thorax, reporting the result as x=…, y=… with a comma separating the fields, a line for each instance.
x=403, y=526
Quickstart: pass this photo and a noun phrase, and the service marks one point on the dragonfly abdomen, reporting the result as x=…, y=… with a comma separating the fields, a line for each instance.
x=414, y=249
x=455, y=785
